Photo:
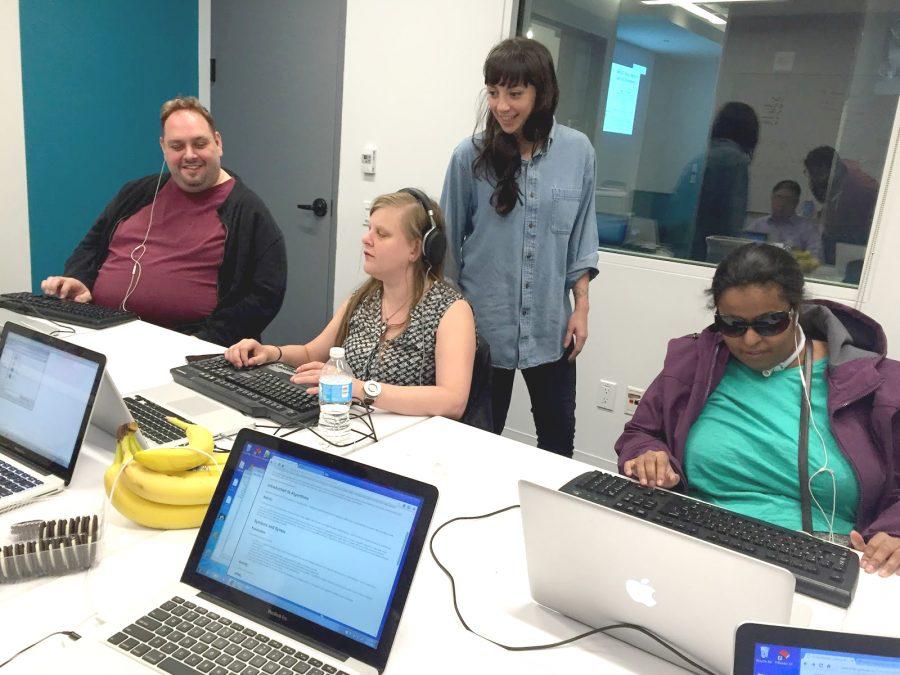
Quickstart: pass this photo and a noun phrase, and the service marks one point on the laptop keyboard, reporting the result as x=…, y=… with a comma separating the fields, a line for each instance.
x=151, y=420
x=14, y=480
x=183, y=638
x=823, y=570
x=69, y=311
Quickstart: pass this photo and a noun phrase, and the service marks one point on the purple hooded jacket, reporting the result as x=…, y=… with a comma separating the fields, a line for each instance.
x=863, y=402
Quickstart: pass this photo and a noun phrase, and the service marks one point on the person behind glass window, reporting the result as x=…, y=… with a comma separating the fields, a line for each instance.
x=721, y=421
x=722, y=203
x=405, y=329
x=847, y=195
x=784, y=226
x=519, y=199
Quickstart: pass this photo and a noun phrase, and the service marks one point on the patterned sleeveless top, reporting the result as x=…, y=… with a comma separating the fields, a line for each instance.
x=408, y=358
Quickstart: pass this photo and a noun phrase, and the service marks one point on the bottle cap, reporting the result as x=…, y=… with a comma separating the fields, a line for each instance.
x=336, y=352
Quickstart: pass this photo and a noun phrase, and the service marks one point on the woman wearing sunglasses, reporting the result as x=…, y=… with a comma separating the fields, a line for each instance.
x=722, y=419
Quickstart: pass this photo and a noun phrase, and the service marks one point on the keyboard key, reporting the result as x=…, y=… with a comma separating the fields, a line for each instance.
x=153, y=657
x=169, y=648
x=300, y=667
x=194, y=660
x=141, y=634
x=128, y=644
x=148, y=622
x=181, y=654
x=117, y=638
x=170, y=665
x=206, y=666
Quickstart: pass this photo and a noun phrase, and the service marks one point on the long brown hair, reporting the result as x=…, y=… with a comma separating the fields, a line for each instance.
x=516, y=61
x=415, y=223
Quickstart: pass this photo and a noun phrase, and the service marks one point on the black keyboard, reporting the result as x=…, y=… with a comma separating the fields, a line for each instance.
x=151, y=420
x=14, y=480
x=823, y=571
x=262, y=391
x=184, y=638
x=68, y=311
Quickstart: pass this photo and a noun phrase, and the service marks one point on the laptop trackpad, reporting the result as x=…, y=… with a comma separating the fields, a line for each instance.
x=194, y=406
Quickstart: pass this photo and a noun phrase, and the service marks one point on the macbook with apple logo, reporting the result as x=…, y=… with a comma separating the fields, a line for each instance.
x=602, y=567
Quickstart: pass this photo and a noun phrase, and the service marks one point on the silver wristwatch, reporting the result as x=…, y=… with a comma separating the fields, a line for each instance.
x=372, y=390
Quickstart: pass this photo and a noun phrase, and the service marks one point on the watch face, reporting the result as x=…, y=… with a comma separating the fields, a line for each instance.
x=372, y=389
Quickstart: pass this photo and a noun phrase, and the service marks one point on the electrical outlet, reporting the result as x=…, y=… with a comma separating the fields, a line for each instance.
x=606, y=395
x=632, y=398
x=367, y=206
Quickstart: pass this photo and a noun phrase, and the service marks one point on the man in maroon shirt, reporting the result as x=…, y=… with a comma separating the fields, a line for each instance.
x=199, y=253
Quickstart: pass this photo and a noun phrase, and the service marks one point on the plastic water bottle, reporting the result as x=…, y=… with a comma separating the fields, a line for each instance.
x=807, y=209
x=335, y=394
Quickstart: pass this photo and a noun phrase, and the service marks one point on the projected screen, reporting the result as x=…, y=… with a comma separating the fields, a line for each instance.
x=621, y=102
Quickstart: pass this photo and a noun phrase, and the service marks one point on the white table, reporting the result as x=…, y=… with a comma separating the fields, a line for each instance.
x=475, y=472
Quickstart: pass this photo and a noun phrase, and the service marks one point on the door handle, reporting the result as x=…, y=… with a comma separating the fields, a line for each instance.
x=318, y=207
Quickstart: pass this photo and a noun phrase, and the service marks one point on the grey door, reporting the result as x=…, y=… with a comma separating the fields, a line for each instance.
x=276, y=98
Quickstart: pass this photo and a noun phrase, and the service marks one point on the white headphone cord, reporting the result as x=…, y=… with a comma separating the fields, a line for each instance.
x=824, y=468
x=136, y=268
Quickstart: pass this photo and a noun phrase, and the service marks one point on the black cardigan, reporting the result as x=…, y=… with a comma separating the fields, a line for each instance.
x=253, y=274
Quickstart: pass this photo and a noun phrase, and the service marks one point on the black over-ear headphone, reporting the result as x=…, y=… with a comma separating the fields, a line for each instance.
x=434, y=241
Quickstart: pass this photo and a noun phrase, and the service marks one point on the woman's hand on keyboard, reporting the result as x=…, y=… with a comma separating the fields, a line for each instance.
x=881, y=554
x=652, y=469
x=250, y=353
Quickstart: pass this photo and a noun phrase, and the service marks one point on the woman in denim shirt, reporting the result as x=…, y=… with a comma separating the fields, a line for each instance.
x=519, y=203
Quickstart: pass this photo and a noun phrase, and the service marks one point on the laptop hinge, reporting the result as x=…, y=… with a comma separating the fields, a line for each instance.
x=280, y=628
x=19, y=457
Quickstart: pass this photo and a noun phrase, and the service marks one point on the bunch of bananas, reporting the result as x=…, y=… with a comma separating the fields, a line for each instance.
x=808, y=262
x=164, y=488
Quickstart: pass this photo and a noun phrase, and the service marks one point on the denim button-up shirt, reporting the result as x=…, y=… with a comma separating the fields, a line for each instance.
x=516, y=270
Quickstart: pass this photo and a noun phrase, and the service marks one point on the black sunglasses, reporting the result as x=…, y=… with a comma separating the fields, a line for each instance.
x=765, y=325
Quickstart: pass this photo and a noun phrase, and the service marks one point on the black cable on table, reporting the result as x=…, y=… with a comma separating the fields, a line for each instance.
x=528, y=648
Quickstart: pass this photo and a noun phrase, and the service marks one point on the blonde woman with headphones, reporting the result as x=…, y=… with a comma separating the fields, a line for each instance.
x=409, y=336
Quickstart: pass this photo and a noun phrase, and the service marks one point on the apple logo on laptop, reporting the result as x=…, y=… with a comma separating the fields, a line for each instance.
x=641, y=591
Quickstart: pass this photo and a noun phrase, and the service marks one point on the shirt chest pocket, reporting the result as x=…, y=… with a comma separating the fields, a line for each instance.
x=564, y=210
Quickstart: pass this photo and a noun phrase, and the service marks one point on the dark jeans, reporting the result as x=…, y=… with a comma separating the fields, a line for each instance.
x=551, y=387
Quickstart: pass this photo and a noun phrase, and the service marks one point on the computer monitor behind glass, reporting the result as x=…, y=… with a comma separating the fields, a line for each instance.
x=47, y=391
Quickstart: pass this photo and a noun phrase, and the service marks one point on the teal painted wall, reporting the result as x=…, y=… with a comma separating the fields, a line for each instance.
x=94, y=74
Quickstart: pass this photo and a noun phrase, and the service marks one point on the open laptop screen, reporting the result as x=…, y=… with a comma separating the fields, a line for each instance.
x=766, y=649
x=329, y=541
x=47, y=390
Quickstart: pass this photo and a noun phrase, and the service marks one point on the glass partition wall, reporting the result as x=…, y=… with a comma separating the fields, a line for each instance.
x=718, y=123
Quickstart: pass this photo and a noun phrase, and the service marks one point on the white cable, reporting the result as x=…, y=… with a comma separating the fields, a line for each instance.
x=824, y=468
x=137, y=269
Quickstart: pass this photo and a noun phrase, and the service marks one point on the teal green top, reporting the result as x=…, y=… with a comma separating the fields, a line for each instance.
x=741, y=453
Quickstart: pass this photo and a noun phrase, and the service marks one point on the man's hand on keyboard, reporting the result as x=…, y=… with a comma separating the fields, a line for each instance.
x=67, y=288
x=652, y=469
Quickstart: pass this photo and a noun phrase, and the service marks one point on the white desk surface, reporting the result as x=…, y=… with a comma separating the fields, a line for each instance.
x=475, y=472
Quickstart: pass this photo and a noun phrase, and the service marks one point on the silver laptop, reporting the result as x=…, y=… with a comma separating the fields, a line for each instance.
x=150, y=407
x=47, y=392
x=602, y=567
x=302, y=565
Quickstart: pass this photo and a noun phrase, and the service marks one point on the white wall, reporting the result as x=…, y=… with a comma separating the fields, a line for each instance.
x=412, y=78
x=15, y=272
